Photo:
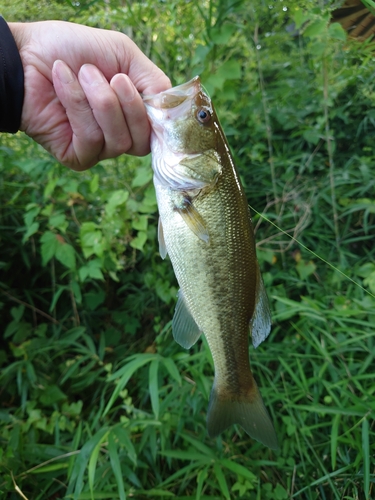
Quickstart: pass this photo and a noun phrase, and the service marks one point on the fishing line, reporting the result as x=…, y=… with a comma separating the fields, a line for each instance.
x=312, y=252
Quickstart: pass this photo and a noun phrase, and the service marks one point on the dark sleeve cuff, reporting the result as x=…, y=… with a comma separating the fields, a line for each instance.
x=11, y=81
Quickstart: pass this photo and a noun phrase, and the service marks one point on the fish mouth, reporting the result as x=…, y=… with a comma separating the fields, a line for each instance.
x=175, y=96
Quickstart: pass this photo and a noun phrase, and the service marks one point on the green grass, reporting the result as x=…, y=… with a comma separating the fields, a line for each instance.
x=96, y=399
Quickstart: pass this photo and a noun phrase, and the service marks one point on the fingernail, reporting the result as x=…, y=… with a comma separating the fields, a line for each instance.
x=63, y=72
x=91, y=75
x=124, y=87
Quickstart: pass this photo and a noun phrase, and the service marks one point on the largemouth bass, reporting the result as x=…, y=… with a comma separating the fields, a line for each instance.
x=206, y=229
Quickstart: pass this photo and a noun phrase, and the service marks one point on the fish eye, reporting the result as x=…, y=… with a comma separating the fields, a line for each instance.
x=203, y=115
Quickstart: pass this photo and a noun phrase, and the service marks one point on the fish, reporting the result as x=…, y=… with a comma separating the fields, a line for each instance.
x=206, y=229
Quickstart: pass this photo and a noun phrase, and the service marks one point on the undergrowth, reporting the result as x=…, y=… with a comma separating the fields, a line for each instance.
x=96, y=399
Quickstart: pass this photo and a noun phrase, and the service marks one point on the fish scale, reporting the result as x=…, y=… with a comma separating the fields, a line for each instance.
x=205, y=228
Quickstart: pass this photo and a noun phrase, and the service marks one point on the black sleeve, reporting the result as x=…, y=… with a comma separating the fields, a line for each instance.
x=11, y=81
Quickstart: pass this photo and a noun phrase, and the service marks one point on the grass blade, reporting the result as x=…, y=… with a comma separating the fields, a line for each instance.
x=222, y=481
x=202, y=475
x=125, y=373
x=334, y=435
x=92, y=463
x=240, y=470
x=116, y=466
x=366, y=457
x=80, y=465
x=154, y=387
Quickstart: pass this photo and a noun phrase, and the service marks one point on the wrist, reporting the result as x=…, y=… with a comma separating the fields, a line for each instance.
x=18, y=33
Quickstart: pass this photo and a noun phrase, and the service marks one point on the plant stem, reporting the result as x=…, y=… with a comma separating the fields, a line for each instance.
x=267, y=120
x=330, y=152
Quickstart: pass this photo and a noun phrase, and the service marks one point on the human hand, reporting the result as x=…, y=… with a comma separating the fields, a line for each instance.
x=82, y=87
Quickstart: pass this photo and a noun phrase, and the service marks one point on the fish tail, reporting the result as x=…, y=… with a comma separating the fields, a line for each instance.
x=226, y=409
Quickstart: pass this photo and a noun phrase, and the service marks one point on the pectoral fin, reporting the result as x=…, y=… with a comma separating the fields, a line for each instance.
x=194, y=220
x=162, y=248
x=260, y=324
x=184, y=328
x=184, y=205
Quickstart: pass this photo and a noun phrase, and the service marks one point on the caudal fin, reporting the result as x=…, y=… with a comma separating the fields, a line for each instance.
x=251, y=414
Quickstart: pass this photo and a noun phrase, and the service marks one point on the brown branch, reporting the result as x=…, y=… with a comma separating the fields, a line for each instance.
x=33, y=308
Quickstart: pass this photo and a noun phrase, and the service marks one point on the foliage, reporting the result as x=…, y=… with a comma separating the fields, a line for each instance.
x=97, y=401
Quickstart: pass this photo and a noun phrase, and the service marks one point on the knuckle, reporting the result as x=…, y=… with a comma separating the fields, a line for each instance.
x=106, y=102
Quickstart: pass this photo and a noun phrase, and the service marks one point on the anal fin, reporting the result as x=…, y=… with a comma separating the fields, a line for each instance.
x=260, y=324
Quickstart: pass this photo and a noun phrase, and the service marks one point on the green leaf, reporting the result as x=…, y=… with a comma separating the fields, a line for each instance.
x=170, y=365
x=300, y=17
x=17, y=313
x=370, y=4
x=91, y=240
x=334, y=439
x=93, y=461
x=312, y=135
x=32, y=229
x=231, y=70
x=239, y=469
x=315, y=28
x=125, y=373
x=123, y=436
x=139, y=241
x=337, y=32
x=97, y=495
x=56, y=296
x=201, y=478
x=205, y=450
x=49, y=246
x=51, y=395
x=142, y=177
x=366, y=457
x=154, y=387
x=91, y=270
x=116, y=199
x=94, y=183
x=186, y=455
x=200, y=54
x=222, y=34
x=140, y=222
x=49, y=468
x=32, y=212
x=116, y=466
x=305, y=269
x=58, y=221
x=222, y=481
x=280, y=492
x=156, y=492
x=66, y=255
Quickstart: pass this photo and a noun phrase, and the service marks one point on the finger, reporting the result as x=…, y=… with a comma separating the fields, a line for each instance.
x=107, y=111
x=87, y=140
x=135, y=114
x=147, y=78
